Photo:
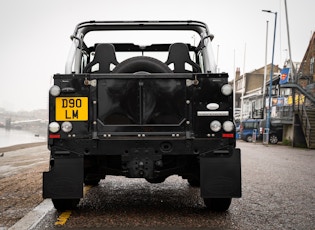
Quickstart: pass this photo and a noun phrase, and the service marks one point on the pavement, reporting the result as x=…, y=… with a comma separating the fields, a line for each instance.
x=21, y=168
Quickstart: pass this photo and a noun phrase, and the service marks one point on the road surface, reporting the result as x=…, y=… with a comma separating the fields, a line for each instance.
x=278, y=193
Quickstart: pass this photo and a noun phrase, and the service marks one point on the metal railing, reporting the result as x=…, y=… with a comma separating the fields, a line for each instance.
x=306, y=125
x=285, y=114
x=302, y=107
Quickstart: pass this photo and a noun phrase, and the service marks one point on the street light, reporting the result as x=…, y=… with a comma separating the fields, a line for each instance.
x=271, y=74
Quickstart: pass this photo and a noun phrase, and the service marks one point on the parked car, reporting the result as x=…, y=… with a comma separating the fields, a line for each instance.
x=247, y=129
x=275, y=131
x=237, y=129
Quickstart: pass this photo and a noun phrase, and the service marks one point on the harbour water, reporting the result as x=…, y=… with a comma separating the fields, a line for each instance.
x=15, y=137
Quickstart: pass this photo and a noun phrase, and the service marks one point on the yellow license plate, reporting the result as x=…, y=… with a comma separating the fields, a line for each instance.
x=71, y=109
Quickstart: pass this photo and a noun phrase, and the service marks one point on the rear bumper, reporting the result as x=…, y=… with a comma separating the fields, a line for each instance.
x=160, y=146
x=220, y=164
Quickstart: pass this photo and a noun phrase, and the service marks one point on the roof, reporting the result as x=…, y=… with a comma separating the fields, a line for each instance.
x=310, y=45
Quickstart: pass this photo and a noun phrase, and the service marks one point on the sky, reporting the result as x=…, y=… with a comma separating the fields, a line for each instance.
x=35, y=36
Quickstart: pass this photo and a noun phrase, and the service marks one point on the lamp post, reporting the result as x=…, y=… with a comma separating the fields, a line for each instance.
x=265, y=69
x=271, y=74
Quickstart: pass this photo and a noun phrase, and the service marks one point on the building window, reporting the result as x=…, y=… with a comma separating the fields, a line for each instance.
x=239, y=84
x=312, y=65
x=259, y=104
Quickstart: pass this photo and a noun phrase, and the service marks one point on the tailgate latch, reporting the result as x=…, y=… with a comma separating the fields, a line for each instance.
x=192, y=82
x=90, y=82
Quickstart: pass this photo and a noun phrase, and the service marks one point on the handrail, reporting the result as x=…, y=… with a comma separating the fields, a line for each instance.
x=301, y=106
x=307, y=128
x=303, y=91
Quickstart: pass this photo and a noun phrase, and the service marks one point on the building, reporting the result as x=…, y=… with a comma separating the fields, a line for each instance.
x=249, y=95
x=292, y=102
x=306, y=72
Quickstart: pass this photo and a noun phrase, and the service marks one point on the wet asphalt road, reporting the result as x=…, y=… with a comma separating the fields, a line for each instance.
x=278, y=193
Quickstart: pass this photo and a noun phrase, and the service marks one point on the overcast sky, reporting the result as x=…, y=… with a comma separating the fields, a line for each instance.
x=35, y=36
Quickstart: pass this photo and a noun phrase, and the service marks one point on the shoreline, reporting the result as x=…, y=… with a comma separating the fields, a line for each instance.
x=21, y=146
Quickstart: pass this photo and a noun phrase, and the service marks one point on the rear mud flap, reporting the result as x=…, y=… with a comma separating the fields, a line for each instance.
x=220, y=177
x=65, y=180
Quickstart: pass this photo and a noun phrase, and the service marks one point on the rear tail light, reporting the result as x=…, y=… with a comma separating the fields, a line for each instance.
x=66, y=126
x=228, y=126
x=54, y=127
x=215, y=126
x=55, y=90
x=228, y=135
x=226, y=89
x=54, y=136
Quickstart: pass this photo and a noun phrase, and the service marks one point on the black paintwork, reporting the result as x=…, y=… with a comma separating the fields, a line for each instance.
x=143, y=119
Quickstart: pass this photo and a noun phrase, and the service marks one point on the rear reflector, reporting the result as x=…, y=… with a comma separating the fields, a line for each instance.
x=228, y=135
x=54, y=136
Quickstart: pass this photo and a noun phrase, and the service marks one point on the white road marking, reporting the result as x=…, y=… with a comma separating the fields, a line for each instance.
x=34, y=217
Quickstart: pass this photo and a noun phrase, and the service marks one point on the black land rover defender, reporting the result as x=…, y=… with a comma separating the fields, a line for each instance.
x=142, y=99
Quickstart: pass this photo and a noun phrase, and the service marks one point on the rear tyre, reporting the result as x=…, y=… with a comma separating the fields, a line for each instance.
x=92, y=179
x=217, y=204
x=65, y=204
x=142, y=64
x=156, y=180
x=92, y=182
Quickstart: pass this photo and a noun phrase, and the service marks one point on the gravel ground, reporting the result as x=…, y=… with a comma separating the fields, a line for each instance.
x=278, y=193
x=21, y=168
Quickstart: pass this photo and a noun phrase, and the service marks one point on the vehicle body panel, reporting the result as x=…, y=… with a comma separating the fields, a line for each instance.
x=142, y=118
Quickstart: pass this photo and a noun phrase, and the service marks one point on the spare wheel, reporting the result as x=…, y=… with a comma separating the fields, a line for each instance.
x=142, y=64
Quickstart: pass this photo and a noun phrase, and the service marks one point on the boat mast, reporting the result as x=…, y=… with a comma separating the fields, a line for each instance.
x=292, y=72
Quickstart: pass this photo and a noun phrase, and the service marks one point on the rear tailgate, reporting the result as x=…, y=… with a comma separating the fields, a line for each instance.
x=146, y=105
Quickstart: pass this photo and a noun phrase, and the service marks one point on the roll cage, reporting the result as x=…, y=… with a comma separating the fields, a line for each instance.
x=79, y=48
